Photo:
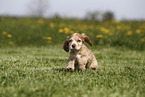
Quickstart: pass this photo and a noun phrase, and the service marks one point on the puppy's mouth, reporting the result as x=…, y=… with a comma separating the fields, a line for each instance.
x=73, y=49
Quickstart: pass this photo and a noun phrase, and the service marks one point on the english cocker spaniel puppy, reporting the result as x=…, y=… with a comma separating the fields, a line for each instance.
x=80, y=56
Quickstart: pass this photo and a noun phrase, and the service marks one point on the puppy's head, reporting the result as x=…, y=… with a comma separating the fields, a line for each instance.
x=75, y=42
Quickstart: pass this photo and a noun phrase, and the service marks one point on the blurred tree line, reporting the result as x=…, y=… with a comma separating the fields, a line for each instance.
x=100, y=16
x=95, y=16
x=37, y=8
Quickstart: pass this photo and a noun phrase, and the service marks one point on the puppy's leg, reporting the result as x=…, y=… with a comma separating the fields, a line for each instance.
x=94, y=64
x=70, y=64
x=82, y=63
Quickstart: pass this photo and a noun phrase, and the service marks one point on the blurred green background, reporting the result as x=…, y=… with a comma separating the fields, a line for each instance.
x=43, y=32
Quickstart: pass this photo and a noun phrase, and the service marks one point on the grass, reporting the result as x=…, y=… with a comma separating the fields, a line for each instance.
x=40, y=72
x=43, y=32
x=32, y=61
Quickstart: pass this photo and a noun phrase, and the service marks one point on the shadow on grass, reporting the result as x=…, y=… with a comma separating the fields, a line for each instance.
x=70, y=71
x=63, y=70
x=60, y=69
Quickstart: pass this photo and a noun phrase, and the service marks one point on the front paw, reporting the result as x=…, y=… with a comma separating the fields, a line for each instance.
x=69, y=68
x=82, y=67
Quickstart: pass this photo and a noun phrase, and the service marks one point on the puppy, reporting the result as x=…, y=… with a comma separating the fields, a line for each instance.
x=80, y=56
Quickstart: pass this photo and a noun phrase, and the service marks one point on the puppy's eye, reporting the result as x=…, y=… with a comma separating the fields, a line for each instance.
x=70, y=40
x=78, y=40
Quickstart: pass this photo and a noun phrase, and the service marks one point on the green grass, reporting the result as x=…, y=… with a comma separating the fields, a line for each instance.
x=34, y=32
x=32, y=61
x=40, y=72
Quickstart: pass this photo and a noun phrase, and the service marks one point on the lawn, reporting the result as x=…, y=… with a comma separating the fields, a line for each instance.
x=32, y=71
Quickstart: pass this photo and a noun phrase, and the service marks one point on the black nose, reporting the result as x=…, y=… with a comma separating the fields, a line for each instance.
x=73, y=46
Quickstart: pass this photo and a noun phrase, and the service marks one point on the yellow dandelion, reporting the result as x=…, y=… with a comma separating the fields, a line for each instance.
x=102, y=28
x=9, y=35
x=99, y=36
x=129, y=33
x=138, y=31
x=66, y=30
x=118, y=27
x=47, y=38
x=4, y=33
x=52, y=25
x=40, y=21
x=60, y=30
x=106, y=31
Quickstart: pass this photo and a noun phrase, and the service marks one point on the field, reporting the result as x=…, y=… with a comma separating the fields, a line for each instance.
x=42, y=32
x=32, y=61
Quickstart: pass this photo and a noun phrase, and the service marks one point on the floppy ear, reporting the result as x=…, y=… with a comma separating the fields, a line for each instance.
x=87, y=39
x=66, y=45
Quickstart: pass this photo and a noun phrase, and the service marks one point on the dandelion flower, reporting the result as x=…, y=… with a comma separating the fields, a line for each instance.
x=102, y=28
x=4, y=33
x=52, y=25
x=106, y=31
x=138, y=31
x=40, y=21
x=118, y=27
x=9, y=35
x=129, y=33
x=60, y=30
x=99, y=36
x=66, y=30
x=47, y=38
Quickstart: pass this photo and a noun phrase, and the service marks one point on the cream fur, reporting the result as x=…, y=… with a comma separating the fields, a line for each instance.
x=80, y=57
